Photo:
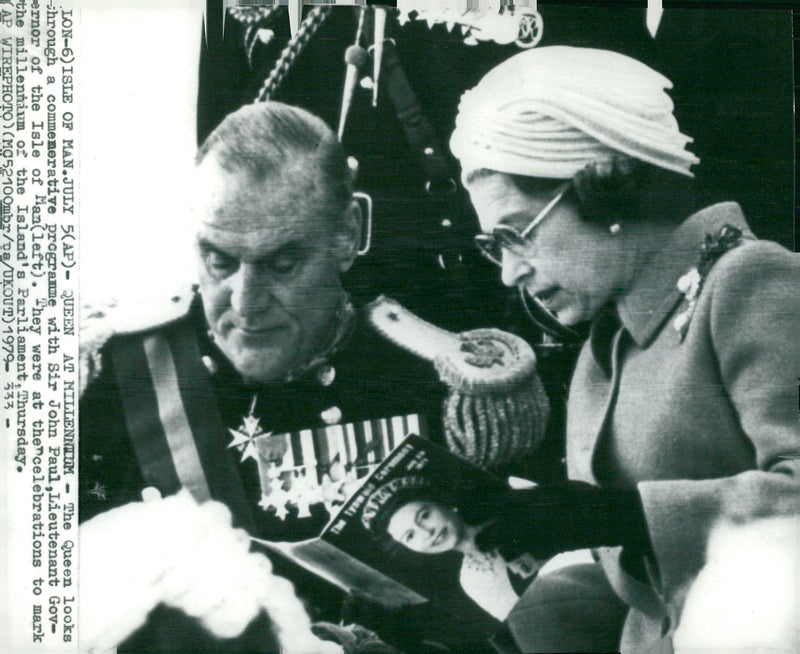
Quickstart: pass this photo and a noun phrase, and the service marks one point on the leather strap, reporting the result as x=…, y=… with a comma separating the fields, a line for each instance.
x=416, y=126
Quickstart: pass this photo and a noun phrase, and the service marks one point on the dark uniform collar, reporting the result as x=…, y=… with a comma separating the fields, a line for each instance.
x=345, y=328
x=654, y=292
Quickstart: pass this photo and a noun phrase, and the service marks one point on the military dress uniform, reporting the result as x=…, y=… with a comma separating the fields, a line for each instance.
x=163, y=407
x=176, y=362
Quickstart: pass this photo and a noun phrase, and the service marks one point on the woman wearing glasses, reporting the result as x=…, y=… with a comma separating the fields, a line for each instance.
x=682, y=406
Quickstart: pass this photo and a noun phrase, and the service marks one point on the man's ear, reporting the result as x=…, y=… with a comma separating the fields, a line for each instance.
x=348, y=240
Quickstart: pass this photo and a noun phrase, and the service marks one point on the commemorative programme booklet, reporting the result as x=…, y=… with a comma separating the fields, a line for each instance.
x=350, y=554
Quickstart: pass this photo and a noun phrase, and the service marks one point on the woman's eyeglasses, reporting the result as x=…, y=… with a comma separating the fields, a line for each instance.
x=504, y=236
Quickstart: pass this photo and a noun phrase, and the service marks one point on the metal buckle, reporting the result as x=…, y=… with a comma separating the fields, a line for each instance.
x=366, y=234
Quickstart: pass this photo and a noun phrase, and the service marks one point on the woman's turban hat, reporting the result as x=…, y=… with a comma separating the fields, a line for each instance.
x=548, y=112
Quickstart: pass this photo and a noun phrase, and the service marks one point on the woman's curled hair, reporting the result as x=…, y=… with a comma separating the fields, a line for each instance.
x=620, y=189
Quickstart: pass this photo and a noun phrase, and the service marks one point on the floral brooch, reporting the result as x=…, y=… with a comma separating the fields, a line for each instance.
x=690, y=284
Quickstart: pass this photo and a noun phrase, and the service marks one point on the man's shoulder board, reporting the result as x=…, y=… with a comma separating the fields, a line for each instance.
x=101, y=321
x=137, y=315
x=478, y=361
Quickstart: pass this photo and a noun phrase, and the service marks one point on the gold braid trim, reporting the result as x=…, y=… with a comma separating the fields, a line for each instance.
x=311, y=23
x=492, y=430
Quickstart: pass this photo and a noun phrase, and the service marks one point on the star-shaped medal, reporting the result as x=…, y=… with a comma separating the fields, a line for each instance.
x=244, y=437
x=279, y=498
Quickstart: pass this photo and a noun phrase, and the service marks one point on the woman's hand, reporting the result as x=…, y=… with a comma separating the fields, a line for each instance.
x=547, y=520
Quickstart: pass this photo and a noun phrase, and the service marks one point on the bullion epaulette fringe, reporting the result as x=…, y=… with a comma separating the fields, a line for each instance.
x=496, y=408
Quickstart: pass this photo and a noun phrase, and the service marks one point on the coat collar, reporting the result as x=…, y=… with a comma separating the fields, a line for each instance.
x=654, y=292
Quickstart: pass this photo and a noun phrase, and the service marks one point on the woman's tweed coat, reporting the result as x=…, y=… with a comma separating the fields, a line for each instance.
x=705, y=427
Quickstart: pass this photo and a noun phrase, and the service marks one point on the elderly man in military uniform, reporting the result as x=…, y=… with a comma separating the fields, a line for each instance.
x=262, y=388
x=264, y=378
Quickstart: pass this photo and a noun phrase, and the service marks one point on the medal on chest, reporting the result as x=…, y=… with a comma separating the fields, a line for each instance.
x=323, y=464
x=249, y=433
x=282, y=483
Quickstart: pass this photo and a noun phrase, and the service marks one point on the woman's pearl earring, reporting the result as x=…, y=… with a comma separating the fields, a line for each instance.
x=615, y=229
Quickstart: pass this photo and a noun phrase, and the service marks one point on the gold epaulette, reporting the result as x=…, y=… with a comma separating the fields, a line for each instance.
x=102, y=320
x=496, y=408
x=477, y=361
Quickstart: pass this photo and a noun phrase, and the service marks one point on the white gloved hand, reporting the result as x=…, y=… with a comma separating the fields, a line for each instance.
x=185, y=555
x=745, y=598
